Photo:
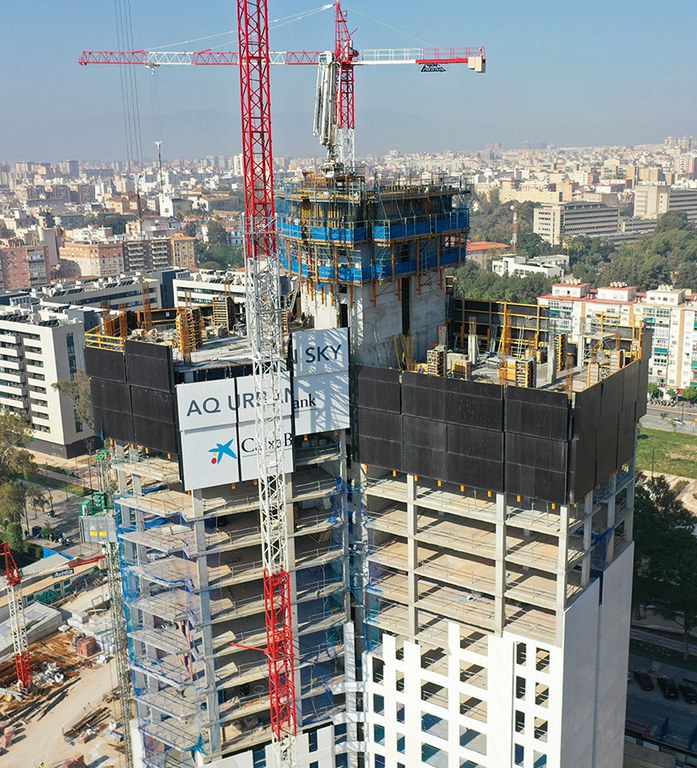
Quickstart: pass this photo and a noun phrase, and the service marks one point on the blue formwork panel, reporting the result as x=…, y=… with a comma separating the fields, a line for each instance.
x=286, y=229
x=449, y=256
x=393, y=231
x=451, y=222
x=404, y=268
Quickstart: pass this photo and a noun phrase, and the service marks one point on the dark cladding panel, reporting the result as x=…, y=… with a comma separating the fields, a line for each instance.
x=473, y=404
x=111, y=396
x=152, y=404
x=536, y=452
x=376, y=388
x=379, y=424
x=423, y=396
x=380, y=438
x=630, y=390
x=424, y=433
x=381, y=453
x=477, y=443
x=537, y=413
x=149, y=365
x=117, y=425
x=424, y=461
x=625, y=439
x=610, y=407
x=155, y=434
x=424, y=447
x=538, y=483
x=582, y=459
x=105, y=364
x=644, y=373
x=473, y=472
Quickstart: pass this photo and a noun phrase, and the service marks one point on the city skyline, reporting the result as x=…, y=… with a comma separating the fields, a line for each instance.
x=545, y=84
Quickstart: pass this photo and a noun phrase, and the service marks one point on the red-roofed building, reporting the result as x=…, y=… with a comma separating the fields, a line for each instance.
x=482, y=252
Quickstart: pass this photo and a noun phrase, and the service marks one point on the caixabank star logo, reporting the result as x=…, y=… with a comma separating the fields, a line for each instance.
x=222, y=450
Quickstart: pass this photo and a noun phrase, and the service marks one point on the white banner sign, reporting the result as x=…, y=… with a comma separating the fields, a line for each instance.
x=320, y=384
x=317, y=352
x=216, y=418
x=210, y=456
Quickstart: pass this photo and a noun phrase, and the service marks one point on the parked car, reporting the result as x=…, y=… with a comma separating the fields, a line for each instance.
x=689, y=692
x=667, y=686
x=643, y=679
x=36, y=531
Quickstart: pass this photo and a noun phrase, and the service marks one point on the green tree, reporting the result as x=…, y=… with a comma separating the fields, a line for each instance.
x=689, y=394
x=652, y=389
x=18, y=470
x=14, y=535
x=217, y=234
x=476, y=283
x=12, y=499
x=673, y=220
x=666, y=554
x=77, y=390
x=672, y=394
x=46, y=531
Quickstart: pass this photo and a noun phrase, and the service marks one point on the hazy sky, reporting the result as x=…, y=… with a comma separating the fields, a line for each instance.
x=590, y=73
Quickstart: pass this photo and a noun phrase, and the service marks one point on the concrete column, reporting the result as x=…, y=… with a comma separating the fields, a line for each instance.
x=500, y=565
x=631, y=493
x=412, y=556
x=587, y=538
x=199, y=531
x=290, y=529
x=562, y=570
x=611, y=516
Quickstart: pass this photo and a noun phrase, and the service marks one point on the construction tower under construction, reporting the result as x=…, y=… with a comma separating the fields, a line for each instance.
x=372, y=257
x=460, y=490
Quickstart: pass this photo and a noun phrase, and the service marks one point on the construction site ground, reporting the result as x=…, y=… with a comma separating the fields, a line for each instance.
x=39, y=723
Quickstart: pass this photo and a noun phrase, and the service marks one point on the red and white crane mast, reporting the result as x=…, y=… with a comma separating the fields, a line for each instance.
x=20, y=642
x=266, y=338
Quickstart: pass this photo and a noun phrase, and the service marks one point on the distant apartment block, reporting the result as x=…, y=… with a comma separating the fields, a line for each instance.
x=123, y=292
x=202, y=287
x=23, y=266
x=670, y=312
x=183, y=252
x=38, y=349
x=555, y=223
x=653, y=200
x=91, y=259
x=105, y=255
x=512, y=264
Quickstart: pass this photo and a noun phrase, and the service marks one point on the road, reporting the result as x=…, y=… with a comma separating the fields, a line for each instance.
x=686, y=413
x=647, y=710
x=67, y=508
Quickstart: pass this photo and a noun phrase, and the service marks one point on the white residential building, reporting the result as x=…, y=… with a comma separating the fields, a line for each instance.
x=37, y=350
x=670, y=312
x=511, y=264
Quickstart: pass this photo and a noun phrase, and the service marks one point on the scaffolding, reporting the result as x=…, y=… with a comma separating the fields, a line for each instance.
x=336, y=230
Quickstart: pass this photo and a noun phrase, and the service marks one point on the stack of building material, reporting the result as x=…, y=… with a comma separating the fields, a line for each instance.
x=75, y=762
x=86, y=646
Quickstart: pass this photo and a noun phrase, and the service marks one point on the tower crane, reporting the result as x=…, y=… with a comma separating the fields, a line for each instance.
x=335, y=114
x=264, y=324
x=13, y=577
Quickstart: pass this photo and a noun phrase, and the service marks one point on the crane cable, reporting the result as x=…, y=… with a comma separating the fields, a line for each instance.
x=129, y=84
